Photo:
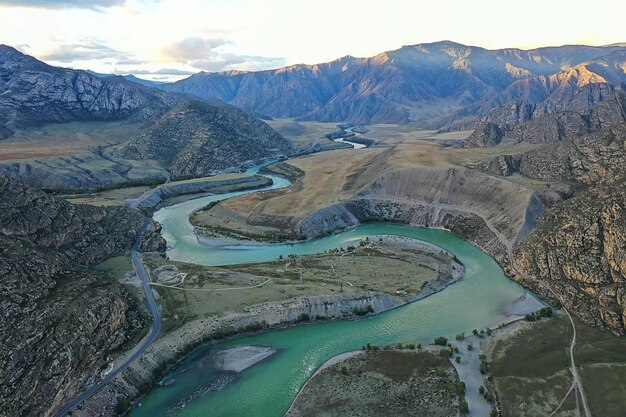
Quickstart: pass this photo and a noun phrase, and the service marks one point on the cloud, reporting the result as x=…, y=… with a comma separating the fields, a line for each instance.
x=65, y=4
x=162, y=71
x=226, y=62
x=129, y=61
x=84, y=51
x=208, y=54
x=193, y=48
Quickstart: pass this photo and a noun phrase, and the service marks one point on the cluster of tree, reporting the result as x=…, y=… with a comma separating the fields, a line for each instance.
x=481, y=333
x=539, y=314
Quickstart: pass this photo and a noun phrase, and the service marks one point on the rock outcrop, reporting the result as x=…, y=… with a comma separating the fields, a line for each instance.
x=550, y=127
x=60, y=319
x=578, y=250
x=586, y=159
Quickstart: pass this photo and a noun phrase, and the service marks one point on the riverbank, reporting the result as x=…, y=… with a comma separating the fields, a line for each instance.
x=382, y=382
x=470, y=350
x=176, y=345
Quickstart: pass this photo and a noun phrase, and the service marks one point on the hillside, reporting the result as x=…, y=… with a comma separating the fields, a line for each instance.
x=577, y=247
x=196, y=139
x=60, y=319
x=33, y=93
x=578, y=251
x=416, y=82
x=74, y=130
x=549, y=127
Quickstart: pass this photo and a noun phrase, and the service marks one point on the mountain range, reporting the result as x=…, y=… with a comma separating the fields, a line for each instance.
x=418, y=83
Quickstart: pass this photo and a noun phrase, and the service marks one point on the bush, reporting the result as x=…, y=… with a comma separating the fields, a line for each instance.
x=470, y=346
x=460, y=336
x=363, y=311
x=441, y=341
x=463, y=407
x=458, y=359
x=484, y=367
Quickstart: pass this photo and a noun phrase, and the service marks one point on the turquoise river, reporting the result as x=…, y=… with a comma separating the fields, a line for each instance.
x=267, y=389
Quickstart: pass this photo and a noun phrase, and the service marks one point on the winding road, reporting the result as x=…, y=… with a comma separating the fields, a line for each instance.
x=155, y=329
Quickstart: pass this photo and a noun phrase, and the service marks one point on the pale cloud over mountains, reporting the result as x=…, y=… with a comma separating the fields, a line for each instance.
x=208, y=54
x=62, y=4
x=110, y=36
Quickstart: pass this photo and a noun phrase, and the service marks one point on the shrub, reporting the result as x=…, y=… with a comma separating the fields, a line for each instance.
x=460, y=336
x=458, y=359
x=463, y=407
x=441, y=341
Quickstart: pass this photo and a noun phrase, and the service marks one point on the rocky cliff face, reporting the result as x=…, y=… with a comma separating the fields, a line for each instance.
x=576, y=253
x=197, y=139
x=579, y=251
x=33, y=93
x=549, y=127
x=415, y=82
x=60, y=318
x=586, y=159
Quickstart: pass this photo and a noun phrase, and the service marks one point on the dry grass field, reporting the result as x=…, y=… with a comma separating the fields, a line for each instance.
x=381, y=267
x=337, y=175
x=65, y=139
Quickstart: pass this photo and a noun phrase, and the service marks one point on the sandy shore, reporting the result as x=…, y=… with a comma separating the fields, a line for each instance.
x=238, y=358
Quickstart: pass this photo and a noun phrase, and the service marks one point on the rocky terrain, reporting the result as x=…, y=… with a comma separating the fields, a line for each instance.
x=549, y=127
x=586, y=159
x=159, y=134
x=575, y=255
x=578, y=250
x=197, y=139
x=34, y=93
x=61, y=320
x=417, y=82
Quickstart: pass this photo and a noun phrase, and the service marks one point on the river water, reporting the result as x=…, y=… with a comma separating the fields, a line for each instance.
x=267, y=389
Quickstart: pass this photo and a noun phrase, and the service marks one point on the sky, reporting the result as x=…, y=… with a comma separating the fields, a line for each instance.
x=171, y=39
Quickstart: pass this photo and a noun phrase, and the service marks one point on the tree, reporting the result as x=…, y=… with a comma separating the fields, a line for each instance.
x=458, y=359
x=441, y=341
x=460, y=336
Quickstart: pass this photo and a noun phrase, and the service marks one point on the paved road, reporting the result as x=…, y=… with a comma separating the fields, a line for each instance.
x=155, y=330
